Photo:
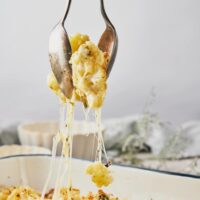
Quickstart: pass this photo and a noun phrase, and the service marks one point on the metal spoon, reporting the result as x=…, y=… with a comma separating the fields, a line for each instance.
x=60, y=53
x=109, y=39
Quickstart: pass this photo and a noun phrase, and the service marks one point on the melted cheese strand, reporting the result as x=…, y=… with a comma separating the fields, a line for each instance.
x=93, y=151
x=70, y=119
x=61, y=132
x=100, y=145
x=104, y=150
x=99, y=134
x=67, y=140
x=86, y=112
x=56, y=140
x=57, y=187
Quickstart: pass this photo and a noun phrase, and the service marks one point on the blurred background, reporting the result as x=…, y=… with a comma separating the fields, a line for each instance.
x=159, y=47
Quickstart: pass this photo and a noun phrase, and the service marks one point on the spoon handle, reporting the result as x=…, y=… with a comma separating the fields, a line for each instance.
x=68, y=4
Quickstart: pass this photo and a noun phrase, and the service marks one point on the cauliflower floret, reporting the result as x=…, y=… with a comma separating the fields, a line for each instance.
x=89, y=74
x=100, y=174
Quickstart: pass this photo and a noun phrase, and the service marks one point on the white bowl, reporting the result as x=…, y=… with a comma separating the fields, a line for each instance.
x=129, y=183
x=10, y=150
x=41, y=134
x=37, y=133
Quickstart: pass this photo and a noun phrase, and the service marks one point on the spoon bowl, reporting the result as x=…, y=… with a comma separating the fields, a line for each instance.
x=59, y=54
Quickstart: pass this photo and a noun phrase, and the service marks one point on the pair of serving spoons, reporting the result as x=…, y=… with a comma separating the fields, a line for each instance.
x=60, y=50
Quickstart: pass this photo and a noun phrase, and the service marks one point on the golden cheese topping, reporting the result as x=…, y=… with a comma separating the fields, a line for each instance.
x=19, y=193
x=101, y=195
x=5, y=192
x=26, y=193
x=100, y=174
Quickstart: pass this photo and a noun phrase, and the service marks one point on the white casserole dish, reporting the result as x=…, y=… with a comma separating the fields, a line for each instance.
x=129, y=183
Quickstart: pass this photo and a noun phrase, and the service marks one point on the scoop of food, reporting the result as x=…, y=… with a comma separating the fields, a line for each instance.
x=88, y=73
x=61, y=49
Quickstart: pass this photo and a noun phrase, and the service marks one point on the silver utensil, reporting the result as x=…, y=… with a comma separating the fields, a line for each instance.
x=60, y=50
x=109, y=39
x=60, y=53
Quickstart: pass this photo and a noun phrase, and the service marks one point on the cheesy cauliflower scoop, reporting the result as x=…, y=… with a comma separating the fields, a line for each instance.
x=100, y=174
x=89, y=77
x=89, y=65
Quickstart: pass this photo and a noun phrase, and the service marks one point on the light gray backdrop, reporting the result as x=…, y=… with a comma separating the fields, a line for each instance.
x=159, y=47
